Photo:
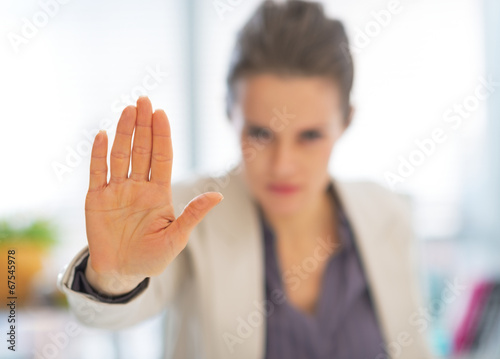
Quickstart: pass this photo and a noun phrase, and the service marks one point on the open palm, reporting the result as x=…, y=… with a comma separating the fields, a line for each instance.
x=131, y=226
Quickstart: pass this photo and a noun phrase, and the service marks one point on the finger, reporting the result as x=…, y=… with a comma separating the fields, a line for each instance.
x=161, y=160
x=141, y=151
x=98, y=163
x=120, y=153
x=195, y=211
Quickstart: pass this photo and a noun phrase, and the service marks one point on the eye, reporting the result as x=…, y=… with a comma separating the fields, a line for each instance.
x=310, y=135
x=260, y=133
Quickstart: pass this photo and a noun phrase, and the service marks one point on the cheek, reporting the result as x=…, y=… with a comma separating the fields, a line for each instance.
x=248, y=150
x=253, y=158
x=248, y=153
x=326, y=152
x=318, y=156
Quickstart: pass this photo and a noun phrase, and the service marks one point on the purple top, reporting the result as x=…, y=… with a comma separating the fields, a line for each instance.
x=344, y=325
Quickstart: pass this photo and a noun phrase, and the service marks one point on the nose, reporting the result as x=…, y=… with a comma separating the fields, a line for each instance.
x=284, y=159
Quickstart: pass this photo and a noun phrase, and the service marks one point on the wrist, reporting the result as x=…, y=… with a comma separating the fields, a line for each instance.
x=110, y=284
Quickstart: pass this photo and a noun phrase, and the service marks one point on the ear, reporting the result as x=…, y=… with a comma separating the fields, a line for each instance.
x=350, y=117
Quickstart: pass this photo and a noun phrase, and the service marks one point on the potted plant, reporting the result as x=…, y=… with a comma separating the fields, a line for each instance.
x=22, y=249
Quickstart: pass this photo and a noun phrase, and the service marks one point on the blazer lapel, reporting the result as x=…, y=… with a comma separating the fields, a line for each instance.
x=383, y=245
x=237, y=273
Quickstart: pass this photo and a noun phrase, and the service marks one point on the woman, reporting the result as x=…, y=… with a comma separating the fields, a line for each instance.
x=292, y=263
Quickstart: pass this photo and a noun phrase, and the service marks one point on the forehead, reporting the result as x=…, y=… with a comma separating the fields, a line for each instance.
x=310, y=100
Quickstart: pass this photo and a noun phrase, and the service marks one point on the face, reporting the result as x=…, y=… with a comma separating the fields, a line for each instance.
x=287, y=129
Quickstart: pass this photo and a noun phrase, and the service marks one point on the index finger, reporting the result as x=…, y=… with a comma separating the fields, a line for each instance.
x=162, y=156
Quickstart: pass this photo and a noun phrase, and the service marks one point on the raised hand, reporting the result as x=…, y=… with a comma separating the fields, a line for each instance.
x=131, y=227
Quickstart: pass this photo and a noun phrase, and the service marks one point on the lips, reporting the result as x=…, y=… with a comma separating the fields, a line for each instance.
x=283, y=188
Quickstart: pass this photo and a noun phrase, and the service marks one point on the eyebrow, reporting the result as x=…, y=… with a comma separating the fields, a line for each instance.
x=318, y=126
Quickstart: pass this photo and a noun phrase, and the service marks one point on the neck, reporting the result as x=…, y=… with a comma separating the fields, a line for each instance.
x=313, y=220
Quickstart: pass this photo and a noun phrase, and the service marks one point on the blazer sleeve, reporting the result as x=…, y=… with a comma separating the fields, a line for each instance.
x=160, y=292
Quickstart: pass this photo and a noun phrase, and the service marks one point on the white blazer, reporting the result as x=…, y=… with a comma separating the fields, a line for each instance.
x=214, y=291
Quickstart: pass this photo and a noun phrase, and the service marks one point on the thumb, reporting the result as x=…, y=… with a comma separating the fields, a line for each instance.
x=196, y=210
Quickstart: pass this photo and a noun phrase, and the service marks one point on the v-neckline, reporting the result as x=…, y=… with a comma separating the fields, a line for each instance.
x=319, y=307
x=321, y=292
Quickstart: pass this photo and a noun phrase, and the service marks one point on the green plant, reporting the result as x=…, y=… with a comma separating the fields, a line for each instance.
x=40, y=232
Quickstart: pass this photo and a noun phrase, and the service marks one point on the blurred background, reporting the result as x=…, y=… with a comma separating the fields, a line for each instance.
x=426, y=92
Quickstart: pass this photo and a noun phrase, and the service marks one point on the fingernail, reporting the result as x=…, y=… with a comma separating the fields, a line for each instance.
x=99, y=138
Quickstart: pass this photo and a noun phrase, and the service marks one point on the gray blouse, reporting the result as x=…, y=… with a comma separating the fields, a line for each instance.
x=344, y=325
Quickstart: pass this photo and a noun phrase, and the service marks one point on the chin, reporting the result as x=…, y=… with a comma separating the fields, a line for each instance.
x=280, y=206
